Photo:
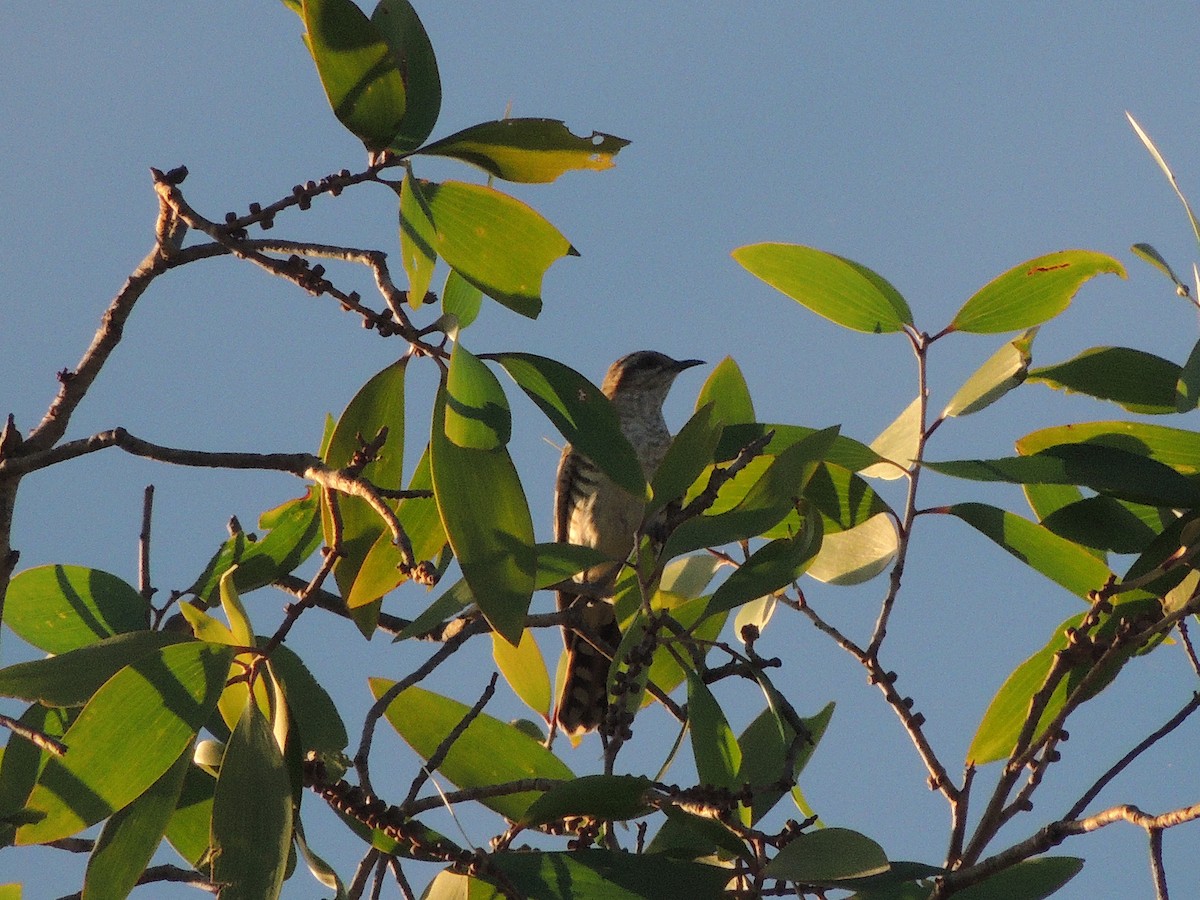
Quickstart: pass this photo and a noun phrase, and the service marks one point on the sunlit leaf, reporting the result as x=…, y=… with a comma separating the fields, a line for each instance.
x=690, y=452
x=727, y=390
x=58, y=608
x=70, y=678
x=361, y=78
x=714, y=746
x=897, y=444
x=488, y=752
x=1060, y=560
x=1166, y=170
x=487, y=521
x=477, y=413
x=1173, y=447
x=190, y=828
x=582, y=415
x=495, y=242
x=1138, y=381
x=845, y=452
x=525, y=671
x=293, y=535
x=126, y=737
x=1006, y=714
x=461, y=299
x=418, y=253
x=772, y=496
x=378, y=404
x=419, y=518
x=842, y=291
x=1152, y=256
x=398, y=25
x=534, y=151
x=1033, y=292
x=1103, y=523
x=843, y=498
x=857, y=554
x=130, y=837
x=770, y=568
x=765, y=746
x=1004, y=370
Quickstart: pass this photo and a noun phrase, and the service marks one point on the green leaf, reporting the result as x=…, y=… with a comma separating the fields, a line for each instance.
x=858, y=554
x=487, y=521
x=1005, y=717
x=582, y=415
x=417, y=240
x=70, y=678
x=843, y=498
x=293, y=535
x=127, y=736
x=765, y=744
x=525, y=671
x=315, y=714
x=21, y=762
x=842, y=291
x=727, y=390
x=461, y=299
x=1033, y=292
x=608, y=875
x=690, y=453
x=1138, y=381
x=532, y=151
x=1104, y=524
x=770, y=568
x=495, y=242
x=398, y=25
x=772, y=496
x=1030, y=879
x=488, y=752
x=828, y=856
x=477, y=413
x=1172, y=447
x=714, y=746
x=377, y=405
x=845, y=452
x=1004, y=370
x=190, y=828
x=129, y=839
x=252, y=812
x=1060, y=560
x=419, y=518
x=450, y=885
x=58, y=608
x=1107, y=470
x=1187, y=389
x=610, y=797
x=1149, y=254
x=360, y=76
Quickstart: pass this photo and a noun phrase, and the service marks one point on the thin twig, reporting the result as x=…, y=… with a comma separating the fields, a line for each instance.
x=144, y=585
x=439, y=755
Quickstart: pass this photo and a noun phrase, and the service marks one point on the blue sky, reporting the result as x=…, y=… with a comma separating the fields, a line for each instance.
x=940, y=144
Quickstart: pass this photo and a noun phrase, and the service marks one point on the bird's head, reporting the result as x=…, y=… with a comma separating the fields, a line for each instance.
x=646, y=373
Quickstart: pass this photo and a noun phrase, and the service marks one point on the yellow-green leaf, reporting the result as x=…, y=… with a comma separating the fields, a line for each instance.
x=525, y=671
x=839, y=289
x=1033, y=292
x=477, y=413
x=533, y=151
x=360, y=76
x=417, y=240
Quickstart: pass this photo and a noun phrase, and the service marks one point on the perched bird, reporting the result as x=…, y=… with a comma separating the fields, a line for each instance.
x=590, y=509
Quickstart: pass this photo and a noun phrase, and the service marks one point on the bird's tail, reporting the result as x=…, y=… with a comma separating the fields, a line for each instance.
x=584, y=699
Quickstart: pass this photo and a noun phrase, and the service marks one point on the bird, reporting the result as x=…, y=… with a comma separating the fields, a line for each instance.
x=592, y=510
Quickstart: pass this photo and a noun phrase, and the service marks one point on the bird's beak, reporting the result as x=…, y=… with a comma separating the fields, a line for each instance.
x=682, y=364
